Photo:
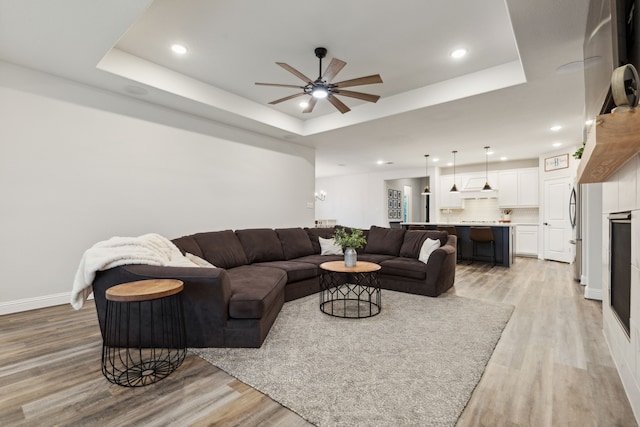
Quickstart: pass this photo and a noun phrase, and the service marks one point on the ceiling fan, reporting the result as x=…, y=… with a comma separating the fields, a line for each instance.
x=322, y=88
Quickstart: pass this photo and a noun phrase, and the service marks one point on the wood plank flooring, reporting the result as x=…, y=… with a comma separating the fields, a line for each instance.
x=550, y=368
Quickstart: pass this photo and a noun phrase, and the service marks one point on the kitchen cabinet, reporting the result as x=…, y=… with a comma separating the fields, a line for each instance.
x=527, y=240
x=447, y=200
x=518, y=188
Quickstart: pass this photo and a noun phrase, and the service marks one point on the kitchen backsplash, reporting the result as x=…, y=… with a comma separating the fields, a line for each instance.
x=487, y=210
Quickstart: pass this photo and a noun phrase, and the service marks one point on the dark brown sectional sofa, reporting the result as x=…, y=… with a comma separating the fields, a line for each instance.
x=236, y=304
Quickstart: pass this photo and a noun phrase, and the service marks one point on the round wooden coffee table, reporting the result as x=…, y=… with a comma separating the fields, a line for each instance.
x=350, y=292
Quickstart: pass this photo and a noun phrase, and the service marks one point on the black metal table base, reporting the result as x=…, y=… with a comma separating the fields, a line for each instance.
x=144, y=341
x=350, y=295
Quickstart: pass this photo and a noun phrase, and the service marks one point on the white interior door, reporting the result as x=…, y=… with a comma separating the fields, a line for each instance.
x=556, y=225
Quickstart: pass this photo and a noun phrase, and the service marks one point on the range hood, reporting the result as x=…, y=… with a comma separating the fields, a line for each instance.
x=472, y=189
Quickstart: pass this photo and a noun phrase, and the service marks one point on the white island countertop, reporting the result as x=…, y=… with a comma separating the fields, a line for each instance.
x=464, y=224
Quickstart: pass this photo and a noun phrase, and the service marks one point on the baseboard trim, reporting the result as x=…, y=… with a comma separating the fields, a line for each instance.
x=27, y=304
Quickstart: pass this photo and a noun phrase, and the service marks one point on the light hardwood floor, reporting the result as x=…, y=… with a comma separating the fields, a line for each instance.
x=550, y=368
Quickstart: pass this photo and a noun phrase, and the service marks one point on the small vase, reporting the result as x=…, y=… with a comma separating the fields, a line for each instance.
x=350, y=257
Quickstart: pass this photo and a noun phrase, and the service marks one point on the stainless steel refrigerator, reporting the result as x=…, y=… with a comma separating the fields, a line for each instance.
x=575, y=213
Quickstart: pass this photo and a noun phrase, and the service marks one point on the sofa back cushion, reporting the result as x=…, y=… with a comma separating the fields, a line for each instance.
x=221, y=248
x=295, y=242
x=414, y=239
x=188, y=244
x=261, y=245
x=384, y=241
x=314, y=233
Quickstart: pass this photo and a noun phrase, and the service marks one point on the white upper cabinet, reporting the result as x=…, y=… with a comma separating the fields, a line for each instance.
x=518, y=188
x=447, y=200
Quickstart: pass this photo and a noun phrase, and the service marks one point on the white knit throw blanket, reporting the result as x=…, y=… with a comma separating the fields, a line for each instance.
x=152, y=249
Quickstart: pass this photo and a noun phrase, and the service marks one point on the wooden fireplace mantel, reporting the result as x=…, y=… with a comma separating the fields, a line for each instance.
x=617, y=141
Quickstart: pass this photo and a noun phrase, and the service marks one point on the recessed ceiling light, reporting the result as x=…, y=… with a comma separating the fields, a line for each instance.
x=503, y=158
x=179, y=49
x=489, y=152
x=304, y=104
x=557, y=144
x=588, y=122
x=556, y=128
x=450, y=164
x=380, y=162
x=458, y=53
x=435, y=159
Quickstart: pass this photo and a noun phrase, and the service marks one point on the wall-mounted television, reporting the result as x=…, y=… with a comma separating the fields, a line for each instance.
x=611, y=40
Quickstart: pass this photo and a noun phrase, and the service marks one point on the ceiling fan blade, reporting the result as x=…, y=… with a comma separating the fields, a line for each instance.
x=286, y=98
x=359, y=81
x=338, y=104
x=279, y=85
x=334, y=68
x=359, y=95
x=312, y=103
x=295, y=72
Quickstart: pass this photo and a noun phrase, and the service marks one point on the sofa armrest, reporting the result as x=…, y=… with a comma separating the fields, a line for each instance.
x=441, y=267
x=206, y=296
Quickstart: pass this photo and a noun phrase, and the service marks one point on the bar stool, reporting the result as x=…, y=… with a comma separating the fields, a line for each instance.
x=482, y=235
x=144, y=336
x=452, y=230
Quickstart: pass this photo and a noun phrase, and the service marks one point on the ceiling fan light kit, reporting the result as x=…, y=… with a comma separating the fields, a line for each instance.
x=321, y=87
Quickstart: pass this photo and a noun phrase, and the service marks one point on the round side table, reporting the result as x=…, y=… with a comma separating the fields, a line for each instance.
x=144, y=337
x=352, y=292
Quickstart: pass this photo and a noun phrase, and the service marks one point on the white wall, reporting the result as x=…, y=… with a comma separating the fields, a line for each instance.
x=72, y=174
x=359, y=200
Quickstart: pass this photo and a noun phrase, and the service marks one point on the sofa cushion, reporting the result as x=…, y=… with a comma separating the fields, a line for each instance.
x=261, y=244
x=385, y=241
x=253, y=290
x=414, y=239
x=314, y=233
x=295, y=242
x=296, y=271
x=221, y=248
x=188, y=244
x=377, y=258
x=319, y=259
x=404, y=267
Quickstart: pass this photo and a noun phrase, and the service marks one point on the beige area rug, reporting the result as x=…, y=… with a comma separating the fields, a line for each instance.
x=414, y=364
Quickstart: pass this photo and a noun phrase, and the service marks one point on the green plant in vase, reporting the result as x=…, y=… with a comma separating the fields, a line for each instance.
x=349, y=242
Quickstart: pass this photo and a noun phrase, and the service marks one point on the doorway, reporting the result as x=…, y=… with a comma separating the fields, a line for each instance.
x=556, y=224
x=407, y=196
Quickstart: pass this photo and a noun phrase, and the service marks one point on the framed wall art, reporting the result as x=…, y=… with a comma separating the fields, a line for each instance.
x=556, y=162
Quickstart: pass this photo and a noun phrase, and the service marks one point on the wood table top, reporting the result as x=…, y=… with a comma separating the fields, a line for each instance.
x=144, y=290
x=361, y=267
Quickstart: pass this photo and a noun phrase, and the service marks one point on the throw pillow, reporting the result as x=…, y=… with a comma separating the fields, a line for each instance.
x=427, y=248
x=198, y=261
x=329, y=247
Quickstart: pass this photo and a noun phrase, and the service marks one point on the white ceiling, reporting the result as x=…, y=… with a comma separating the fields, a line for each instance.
x=506, y=93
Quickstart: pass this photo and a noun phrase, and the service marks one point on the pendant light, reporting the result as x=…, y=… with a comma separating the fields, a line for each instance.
x=486, y=187
x=426, y=190
x=454, y=189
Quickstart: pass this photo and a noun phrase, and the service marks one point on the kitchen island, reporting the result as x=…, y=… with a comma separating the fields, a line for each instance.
x=503, y=234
